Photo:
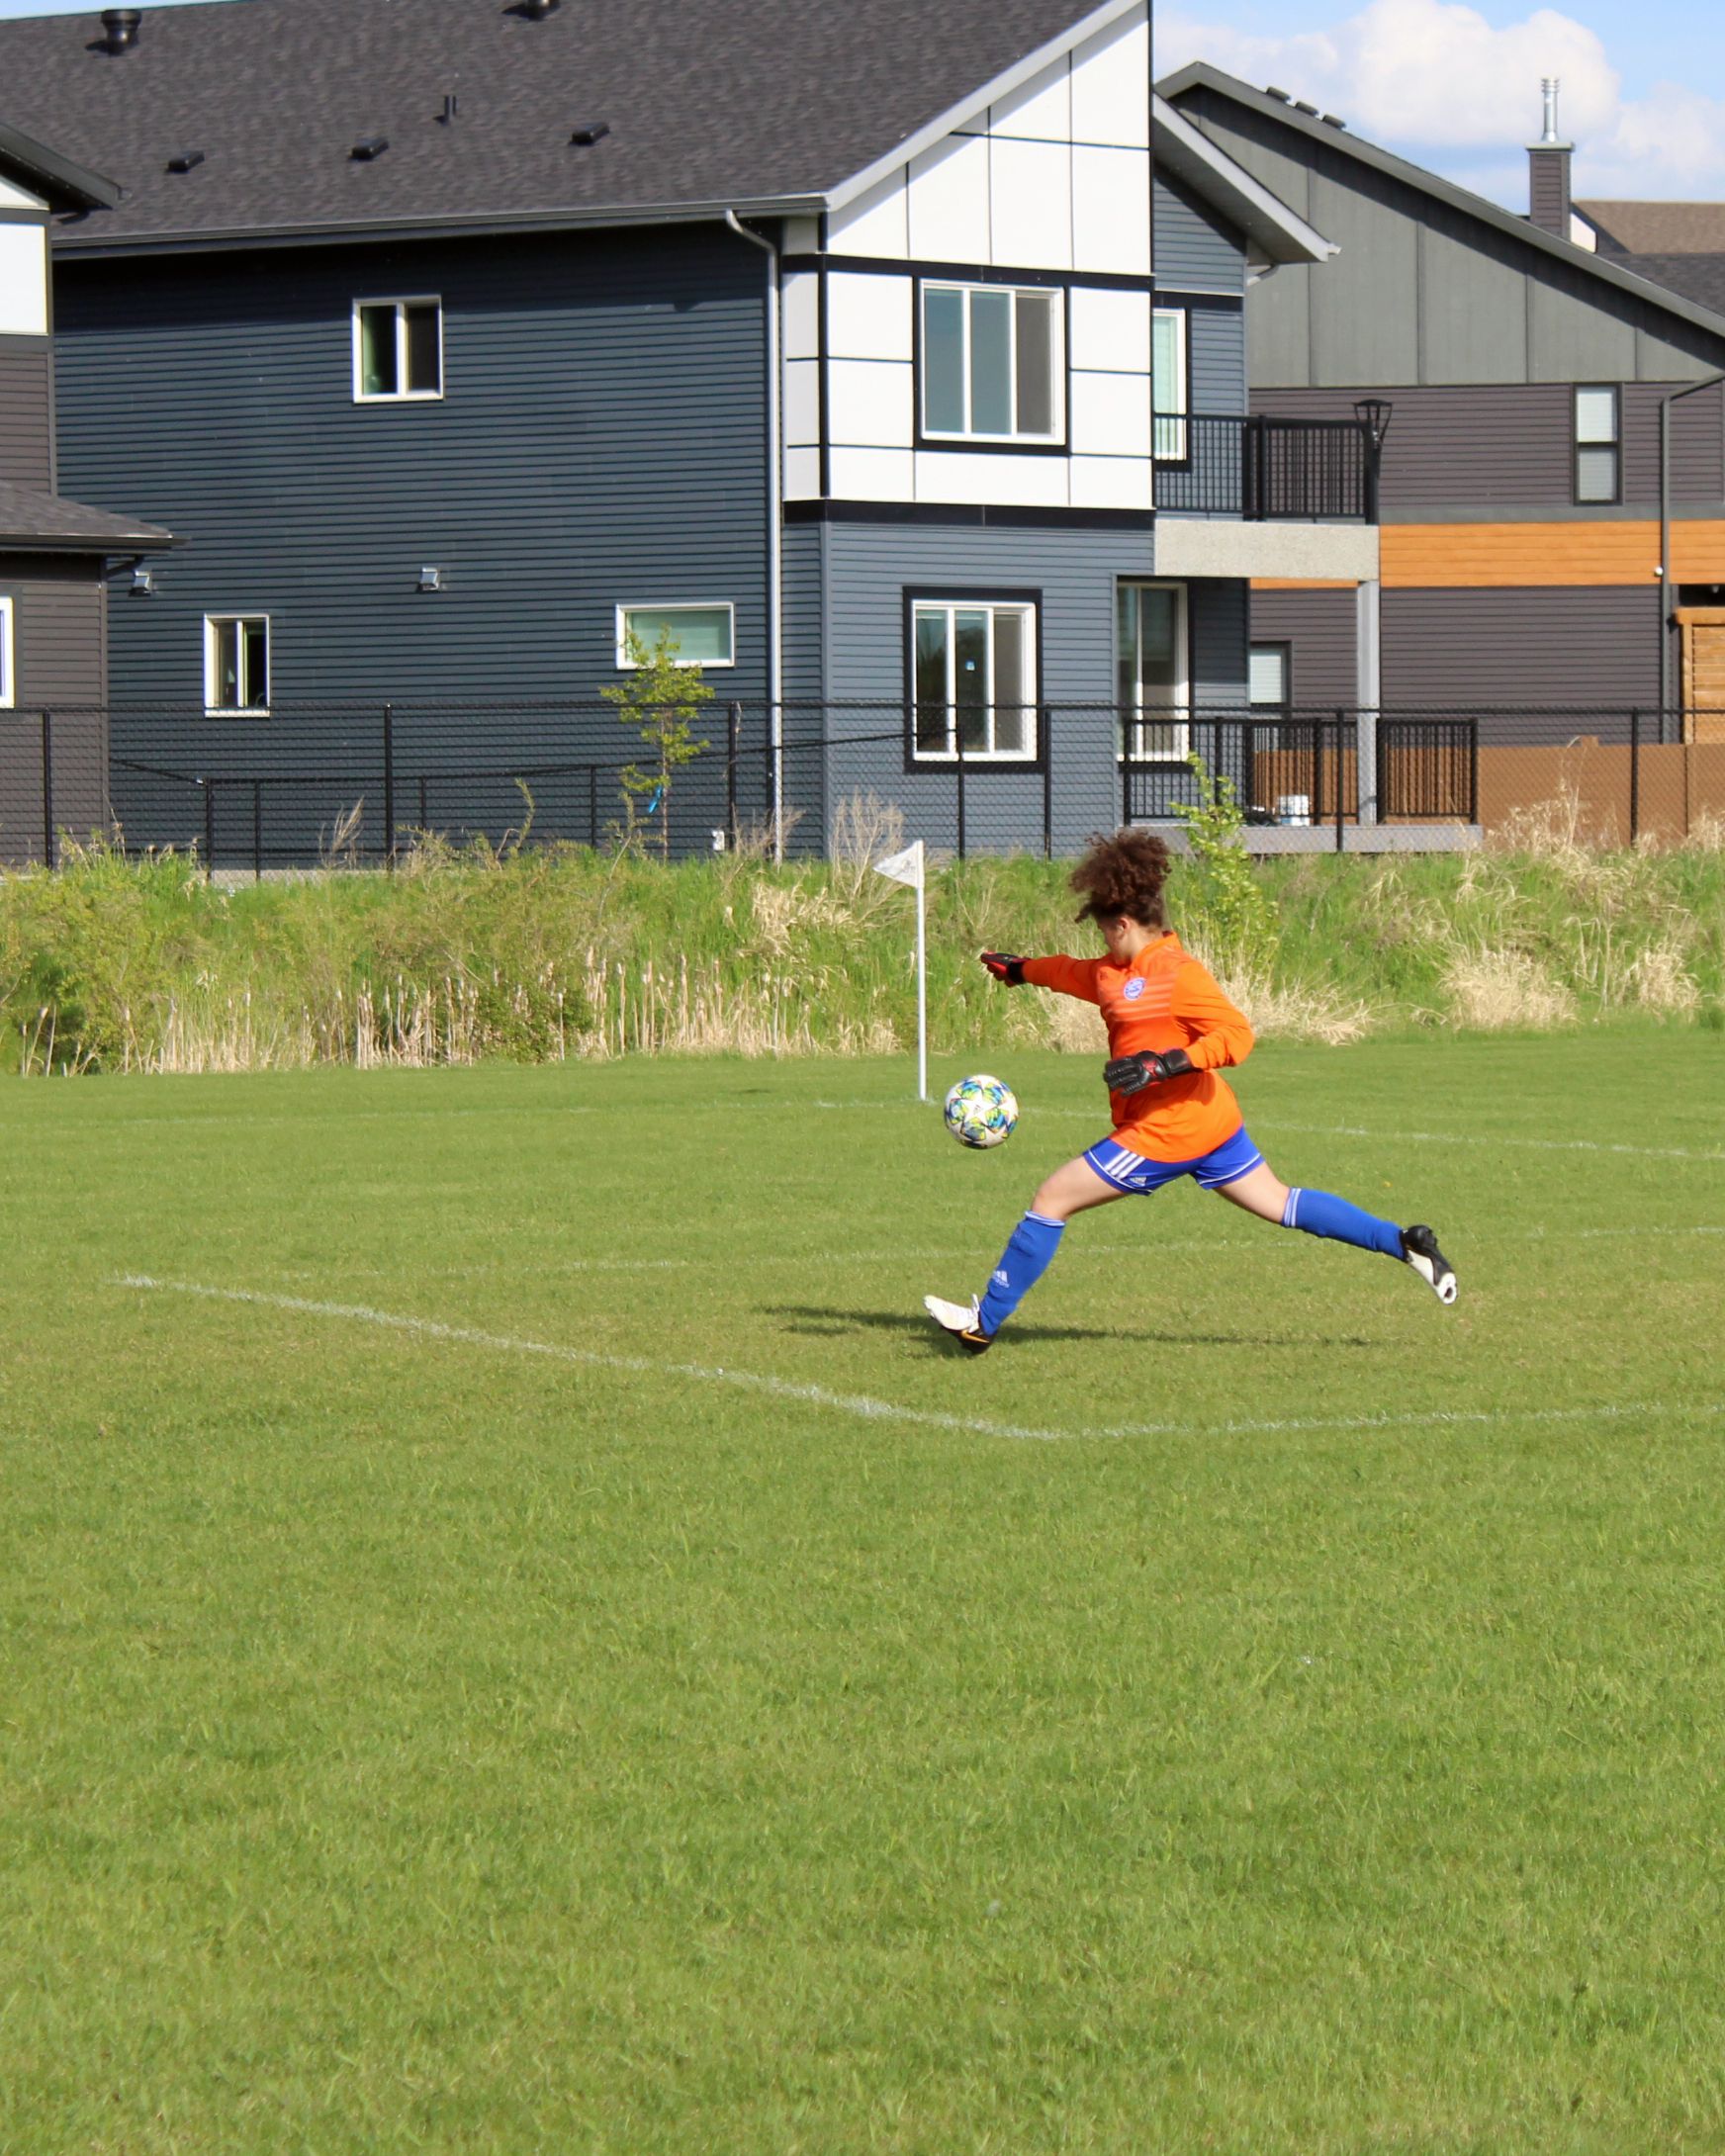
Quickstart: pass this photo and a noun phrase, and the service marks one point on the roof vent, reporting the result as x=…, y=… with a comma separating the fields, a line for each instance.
x=536, y=10
x=185, y=160
x=1331, y=121
x=1270, y=90
x=369, y=146
x=120, y=27
x=451, y=107
x=591, y=132
x=1301, y=105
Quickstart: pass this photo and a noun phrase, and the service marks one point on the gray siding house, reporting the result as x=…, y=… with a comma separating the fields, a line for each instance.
x=1525, y=375
x=910, y=398
x=54, y=552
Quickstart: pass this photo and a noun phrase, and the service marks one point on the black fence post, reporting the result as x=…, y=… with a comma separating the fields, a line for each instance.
x=389, y=786
x=1340, y=790
x=592, y=804
x=959, y=743
x=257, y=831
x=1043, y=726
x=733, y=731
x=1634, y=776
x=209, y=786
x=424, y=812
x=48, y=814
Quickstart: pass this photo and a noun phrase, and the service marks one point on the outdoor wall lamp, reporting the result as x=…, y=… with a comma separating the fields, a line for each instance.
x=142, y=583
x=430, y=579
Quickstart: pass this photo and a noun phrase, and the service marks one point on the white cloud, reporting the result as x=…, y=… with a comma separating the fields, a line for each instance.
x=1434, y=79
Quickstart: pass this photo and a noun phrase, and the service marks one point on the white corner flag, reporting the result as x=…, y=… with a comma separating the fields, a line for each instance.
x=906, y=866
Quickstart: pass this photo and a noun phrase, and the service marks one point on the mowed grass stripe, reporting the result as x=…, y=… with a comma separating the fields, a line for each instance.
x=876, y=1410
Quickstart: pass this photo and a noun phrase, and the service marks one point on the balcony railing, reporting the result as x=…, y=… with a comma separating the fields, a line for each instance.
x=1265, y=469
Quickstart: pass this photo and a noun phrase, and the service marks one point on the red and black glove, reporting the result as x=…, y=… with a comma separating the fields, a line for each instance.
x=1005, y=967
x=1131, y=1073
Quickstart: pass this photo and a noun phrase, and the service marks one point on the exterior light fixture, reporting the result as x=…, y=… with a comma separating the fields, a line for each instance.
x=430, y=579
x=1373, y=413
x=143, y=582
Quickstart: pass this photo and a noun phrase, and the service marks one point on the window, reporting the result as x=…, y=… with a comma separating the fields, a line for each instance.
x=1599, y=445
x=236, y=676
x=398, y=351
x=1268, y=678
x=1168, y=382
x=8, y=676
x=973, y=665
x=704, y=636
x=1154, y=694
x=992, y=364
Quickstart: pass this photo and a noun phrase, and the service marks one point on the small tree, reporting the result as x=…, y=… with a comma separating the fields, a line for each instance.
x=1240, y=915
x=661, y=699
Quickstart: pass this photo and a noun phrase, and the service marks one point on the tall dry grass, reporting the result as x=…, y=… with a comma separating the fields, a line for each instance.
x=557, y=952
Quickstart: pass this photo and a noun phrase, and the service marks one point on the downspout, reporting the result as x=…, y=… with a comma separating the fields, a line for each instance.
x=775, y=536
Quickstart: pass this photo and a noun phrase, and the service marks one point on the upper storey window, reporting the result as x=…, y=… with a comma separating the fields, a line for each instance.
x=993, y=365
x=398, y=351
x=1598, y=444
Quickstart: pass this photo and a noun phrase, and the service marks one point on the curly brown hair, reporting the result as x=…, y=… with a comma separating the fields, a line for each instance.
x=1123, y=874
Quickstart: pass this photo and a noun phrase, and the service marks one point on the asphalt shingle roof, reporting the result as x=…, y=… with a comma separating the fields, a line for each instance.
x=29, y=520
x=708, y=102
x=1698, y=277
x=1656, y=227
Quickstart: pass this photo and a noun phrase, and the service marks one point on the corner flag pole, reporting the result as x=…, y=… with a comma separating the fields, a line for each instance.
x=907, y=866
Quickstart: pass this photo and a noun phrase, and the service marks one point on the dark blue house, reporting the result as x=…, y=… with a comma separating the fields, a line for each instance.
x=891, y=361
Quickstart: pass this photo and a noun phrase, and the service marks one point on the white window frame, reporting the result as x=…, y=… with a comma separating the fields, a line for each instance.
x=1169, y=436
x=399, y=302
x=8, y=657
x=1027, y=610
x=211, y=673
x=727, y=607
x=1055, y=295
x=1178, y=721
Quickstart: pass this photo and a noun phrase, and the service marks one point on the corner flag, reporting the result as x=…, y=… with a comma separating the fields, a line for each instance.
x=906, y=866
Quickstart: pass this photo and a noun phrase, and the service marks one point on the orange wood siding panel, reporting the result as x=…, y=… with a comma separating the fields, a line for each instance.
x=1429, y=557
x=1304, y=584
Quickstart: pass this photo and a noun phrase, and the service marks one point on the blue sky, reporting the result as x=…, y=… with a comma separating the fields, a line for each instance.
x=1456, y=85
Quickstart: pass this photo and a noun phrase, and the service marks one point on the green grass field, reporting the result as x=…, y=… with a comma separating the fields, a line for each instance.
x=652, y=1696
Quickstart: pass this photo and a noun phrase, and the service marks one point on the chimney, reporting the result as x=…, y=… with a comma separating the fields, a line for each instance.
x=1548, y=170
x=120, y=27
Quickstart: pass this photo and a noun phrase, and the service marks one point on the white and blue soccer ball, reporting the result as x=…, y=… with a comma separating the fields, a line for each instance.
x=982, y=1111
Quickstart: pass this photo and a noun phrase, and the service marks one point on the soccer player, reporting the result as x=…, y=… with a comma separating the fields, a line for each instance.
x=1171, y=1031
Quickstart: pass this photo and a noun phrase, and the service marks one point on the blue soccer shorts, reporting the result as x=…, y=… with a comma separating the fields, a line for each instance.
x=1137, y=1177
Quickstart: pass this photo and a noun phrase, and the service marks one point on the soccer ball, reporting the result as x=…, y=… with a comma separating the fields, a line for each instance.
x=982, y=1111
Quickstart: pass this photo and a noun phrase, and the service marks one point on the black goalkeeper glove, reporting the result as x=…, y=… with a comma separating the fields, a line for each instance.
x=1131, y=1073
x=1005, y=967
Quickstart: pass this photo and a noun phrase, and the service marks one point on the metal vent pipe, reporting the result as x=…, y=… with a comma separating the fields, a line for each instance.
x=120, y=27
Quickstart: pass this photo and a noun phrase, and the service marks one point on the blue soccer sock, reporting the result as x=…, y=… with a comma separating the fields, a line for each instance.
x=1316, y=1213
x=1024, y=1261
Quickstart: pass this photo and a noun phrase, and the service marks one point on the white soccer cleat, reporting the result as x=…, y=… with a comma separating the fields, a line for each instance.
x=1419, y=1250
x=963, y=1320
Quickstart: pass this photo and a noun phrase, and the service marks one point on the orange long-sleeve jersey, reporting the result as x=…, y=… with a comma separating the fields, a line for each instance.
x=1164, y=1000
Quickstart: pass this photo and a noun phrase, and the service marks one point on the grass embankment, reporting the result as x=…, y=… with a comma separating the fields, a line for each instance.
x=551, y=955
x=717, y=1734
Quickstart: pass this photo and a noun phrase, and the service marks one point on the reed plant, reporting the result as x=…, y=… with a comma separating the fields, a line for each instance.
x=554, y=952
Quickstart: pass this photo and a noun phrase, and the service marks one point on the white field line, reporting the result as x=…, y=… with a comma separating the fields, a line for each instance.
x=1354, y=1130
x=876, y=1410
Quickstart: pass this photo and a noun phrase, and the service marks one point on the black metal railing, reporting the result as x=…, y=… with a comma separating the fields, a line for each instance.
x=357, y=783
x=1262, y=470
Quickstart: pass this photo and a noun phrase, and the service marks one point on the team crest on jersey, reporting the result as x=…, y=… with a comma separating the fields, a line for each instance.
x=1134, y=988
